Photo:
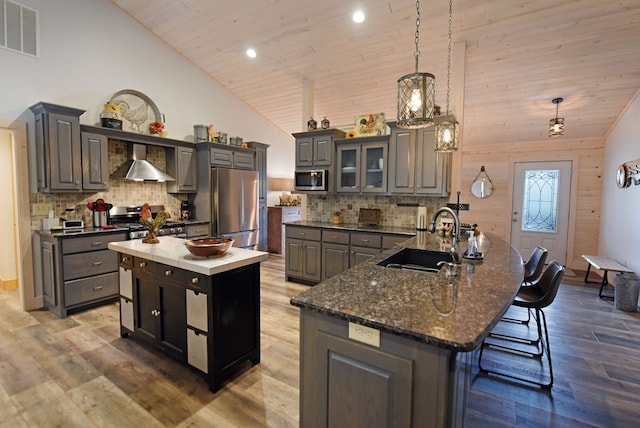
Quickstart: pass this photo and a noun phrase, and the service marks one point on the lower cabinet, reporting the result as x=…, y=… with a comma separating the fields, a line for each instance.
x=78, y=272
x=397, y=383
x=315, y=254
x=211, y=323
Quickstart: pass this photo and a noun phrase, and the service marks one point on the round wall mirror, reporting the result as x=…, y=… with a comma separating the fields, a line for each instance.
x=482, y=188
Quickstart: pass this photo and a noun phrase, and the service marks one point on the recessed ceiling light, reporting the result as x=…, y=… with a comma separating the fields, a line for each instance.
x=358, y=16
x=251, y=53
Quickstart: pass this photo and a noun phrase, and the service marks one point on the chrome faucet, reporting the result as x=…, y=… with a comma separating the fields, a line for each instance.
x=454, y=240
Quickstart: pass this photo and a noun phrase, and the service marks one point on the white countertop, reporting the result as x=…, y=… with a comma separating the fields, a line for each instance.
x=172, y=251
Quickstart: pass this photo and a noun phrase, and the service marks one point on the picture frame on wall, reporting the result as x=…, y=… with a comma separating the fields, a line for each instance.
x=370, y=124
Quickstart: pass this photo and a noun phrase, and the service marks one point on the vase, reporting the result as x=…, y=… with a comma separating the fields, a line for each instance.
x=336, y=219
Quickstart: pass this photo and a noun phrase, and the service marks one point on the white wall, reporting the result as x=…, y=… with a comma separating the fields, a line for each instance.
x=619, y=224
x=7, y=218
x=90, y=49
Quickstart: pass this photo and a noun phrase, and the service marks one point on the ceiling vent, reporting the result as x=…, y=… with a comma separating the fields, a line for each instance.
x=18, y=28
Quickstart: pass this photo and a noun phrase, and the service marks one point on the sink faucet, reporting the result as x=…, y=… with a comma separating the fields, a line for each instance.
x=456, y=221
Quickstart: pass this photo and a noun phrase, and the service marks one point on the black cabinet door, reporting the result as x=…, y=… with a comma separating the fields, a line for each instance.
x=146, y=305
x=172, y=319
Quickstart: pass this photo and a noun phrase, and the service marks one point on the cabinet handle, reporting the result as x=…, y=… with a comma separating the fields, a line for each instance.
x=125, y=259
x=195, y=280
x=98, y=288
x=143, y=264
x=302, y=233
x=155, y=312
x=96, y=244
x=168, y=272
x=97, y=263
x=364, y=240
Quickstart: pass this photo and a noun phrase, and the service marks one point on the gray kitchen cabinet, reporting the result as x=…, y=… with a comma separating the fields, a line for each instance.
x=362, y=254
x=261, y=168
x=361, y=166
x=364, y=246
x=232, y=156
x=58, y=148
x=303, y=254
x=95, y=163
x=389, y=240
x=414, y=166
x=315, y=148
x=79, y=271
x=181, y=165
x=335, y=252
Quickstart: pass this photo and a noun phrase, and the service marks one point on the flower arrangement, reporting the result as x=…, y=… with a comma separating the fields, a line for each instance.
x=337, y=216
x=157, y=128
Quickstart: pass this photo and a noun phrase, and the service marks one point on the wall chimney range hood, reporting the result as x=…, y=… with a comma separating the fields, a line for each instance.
x=138, y=168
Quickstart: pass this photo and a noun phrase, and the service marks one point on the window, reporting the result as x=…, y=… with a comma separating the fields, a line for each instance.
x=540, y=203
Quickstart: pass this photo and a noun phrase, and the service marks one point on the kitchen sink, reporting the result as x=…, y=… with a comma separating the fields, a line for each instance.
x=415, y=259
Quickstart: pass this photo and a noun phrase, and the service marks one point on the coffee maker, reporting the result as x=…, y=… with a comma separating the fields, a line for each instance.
x=185, y=211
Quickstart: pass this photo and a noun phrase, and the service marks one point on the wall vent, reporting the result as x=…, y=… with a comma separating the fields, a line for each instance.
x=18, y=28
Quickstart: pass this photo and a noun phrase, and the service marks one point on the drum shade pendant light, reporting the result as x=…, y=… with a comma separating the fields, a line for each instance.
x=416, y=92
x=447, y=131
x=556, y=126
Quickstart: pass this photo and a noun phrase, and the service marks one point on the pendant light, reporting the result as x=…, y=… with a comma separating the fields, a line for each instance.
x=556, y=126
x=416, y=92
x=447, y=131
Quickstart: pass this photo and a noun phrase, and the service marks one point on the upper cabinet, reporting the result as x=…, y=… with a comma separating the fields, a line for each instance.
x=181, y=164
x=94, y=161
x=414, y=166
x=361, y=164
x=58, y=148
x=315, y=148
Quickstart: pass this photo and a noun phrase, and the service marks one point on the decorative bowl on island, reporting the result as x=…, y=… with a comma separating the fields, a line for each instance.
x=207, y=247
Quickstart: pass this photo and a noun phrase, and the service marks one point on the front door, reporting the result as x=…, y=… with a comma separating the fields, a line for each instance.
x=540, y=210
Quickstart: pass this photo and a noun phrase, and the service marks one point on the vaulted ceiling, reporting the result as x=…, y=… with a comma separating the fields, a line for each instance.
x=520, y=54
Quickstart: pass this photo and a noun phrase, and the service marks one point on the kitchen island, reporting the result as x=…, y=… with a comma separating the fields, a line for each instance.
x=391, y=347
x=205, y=312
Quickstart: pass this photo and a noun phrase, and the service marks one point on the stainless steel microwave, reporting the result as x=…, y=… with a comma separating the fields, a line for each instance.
x=316, y=180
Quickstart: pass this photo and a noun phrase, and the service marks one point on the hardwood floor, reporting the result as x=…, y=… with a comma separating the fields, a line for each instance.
x=79, y=372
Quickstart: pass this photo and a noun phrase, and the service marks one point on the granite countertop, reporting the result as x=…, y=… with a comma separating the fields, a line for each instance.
x=409, y=231
x=172, y=252
x=90, y=230
x=427, y=307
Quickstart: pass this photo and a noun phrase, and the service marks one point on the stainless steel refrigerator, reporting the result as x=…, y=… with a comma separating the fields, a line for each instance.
x=234, y=206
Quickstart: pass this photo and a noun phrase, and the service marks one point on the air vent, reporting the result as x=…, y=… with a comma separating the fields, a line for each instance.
x=18, y=28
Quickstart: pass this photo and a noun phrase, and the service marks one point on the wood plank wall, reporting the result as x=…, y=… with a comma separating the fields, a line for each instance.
x=494, y=213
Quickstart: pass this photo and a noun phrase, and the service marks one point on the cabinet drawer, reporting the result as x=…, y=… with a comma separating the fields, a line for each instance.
x=126, y=314
x=125, y=260
x=369, y=240
x=389, y=241
x=303, y=233
x=88, y=264
x=170, y=273
x=125, y=281
x=88, y=289
x=90, y=243
x=144, y=266
x=197, y=281
x=197, y=313
x=221, y=157
x=197, y=350
x=335, y=236
x=197, y=230
x=243, y=160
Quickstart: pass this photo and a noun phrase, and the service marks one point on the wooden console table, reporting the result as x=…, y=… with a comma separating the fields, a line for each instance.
x=276, y=217
x=606, y=265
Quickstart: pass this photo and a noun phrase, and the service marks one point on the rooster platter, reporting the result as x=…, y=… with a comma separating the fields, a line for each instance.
x=136, y=109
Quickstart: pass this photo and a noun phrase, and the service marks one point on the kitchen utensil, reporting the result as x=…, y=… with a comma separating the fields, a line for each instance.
x=100, y=217
x=207, y=247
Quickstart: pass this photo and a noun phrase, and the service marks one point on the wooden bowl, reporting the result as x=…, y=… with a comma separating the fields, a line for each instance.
x=208, y=247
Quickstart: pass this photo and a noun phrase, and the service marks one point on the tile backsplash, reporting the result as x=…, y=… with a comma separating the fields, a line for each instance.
x=121, y=192
x=319, y=208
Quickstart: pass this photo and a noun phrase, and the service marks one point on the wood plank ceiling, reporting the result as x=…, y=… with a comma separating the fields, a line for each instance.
x=520, y=54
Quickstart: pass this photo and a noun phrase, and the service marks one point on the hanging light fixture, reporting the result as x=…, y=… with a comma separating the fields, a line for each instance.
x=556, y=126
x=416, y=92
x=447, y=131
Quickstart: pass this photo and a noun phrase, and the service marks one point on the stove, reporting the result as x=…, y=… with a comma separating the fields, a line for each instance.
x=129, y=217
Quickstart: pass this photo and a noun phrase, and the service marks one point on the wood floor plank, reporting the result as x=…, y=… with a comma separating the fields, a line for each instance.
x=83, y=366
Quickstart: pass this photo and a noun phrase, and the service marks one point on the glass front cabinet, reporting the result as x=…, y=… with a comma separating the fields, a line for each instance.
x=362, y=164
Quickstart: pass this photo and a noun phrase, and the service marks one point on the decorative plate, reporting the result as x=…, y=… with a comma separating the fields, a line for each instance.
x=136, y=109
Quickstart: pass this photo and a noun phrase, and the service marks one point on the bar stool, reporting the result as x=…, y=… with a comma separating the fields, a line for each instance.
x=537, y=296
x=532, y=272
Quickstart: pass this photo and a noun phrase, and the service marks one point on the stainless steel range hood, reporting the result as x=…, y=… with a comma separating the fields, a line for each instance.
x=138, y=168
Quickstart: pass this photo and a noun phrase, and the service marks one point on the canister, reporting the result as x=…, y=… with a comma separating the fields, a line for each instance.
x=200, y=133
